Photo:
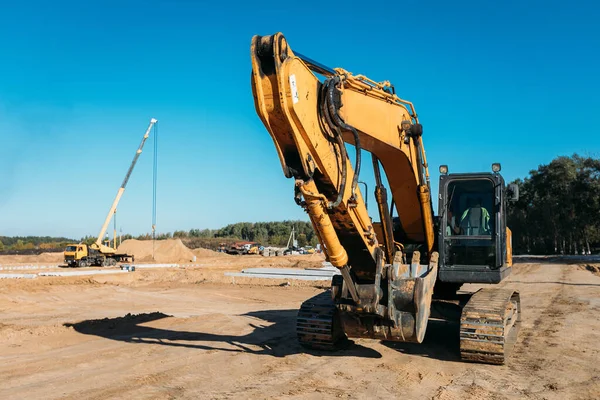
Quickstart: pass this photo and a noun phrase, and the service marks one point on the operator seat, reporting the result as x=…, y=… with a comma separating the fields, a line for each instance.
x=472, y=222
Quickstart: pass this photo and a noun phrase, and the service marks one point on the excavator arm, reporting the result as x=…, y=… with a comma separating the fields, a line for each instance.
x=310, y=121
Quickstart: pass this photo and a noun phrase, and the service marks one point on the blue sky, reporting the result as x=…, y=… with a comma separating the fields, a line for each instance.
x=510, y=82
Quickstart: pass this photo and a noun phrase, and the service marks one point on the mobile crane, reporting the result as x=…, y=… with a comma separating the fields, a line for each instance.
x=392, y=278
x=83, y=255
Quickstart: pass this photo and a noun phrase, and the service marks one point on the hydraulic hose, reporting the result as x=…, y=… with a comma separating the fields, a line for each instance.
x=342, y=124
x=323, y=107
x=328, y=111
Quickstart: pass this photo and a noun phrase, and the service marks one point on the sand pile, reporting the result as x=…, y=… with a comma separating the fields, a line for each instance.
x=165, y=251
x=201, y=252
x=56, y=257
x=12, y=259
x=50, y=258
x=594, y=269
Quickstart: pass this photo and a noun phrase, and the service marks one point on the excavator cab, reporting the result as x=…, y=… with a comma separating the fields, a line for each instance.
x=474, y=241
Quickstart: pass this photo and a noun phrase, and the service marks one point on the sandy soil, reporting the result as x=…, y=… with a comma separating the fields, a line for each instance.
x=44, y=258
x=192, y=334
x=168, y=251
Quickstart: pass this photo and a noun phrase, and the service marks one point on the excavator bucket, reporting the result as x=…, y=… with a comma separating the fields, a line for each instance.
x=410, y=290
x=324, y=321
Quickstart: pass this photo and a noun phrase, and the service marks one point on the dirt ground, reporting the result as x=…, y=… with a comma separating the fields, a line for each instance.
x=166, y=251
x=192, y=333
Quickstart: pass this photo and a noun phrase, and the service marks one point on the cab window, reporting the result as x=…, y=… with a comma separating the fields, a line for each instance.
x=470, y=208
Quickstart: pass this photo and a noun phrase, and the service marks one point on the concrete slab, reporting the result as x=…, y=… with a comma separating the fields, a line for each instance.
x=326, y=268
x=84, y=272
x=17, y=276
x=279, y=276
x=311, y=274
x=286, y=271
x=166, y=265
x=195, y=265
x=26, y=267
x=151, y=265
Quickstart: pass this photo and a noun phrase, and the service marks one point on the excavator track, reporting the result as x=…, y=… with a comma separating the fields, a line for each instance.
x=489, y=326
x=317, y=325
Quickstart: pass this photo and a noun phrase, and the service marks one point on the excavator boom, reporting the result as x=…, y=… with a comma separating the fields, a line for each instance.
x=310, y=123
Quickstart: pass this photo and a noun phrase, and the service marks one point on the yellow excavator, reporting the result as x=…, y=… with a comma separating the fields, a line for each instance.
x=98, y=254
x=397, y=274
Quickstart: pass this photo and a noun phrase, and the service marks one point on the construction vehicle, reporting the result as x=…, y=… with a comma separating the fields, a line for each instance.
x=222, y=248
x=253, y=249
x=398, y=274
x=241, y=248
x=292, y=248
x=308, y=250
x=83, y=255
x=99, y=254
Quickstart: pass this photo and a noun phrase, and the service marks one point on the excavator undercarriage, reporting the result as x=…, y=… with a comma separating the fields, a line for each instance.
x=489, y=322
x=379, y=293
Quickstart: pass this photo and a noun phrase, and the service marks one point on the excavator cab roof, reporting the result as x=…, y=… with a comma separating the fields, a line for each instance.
x=496, y=168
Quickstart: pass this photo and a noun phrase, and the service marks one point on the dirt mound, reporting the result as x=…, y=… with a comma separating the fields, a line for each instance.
x=52, y=258
x=200, y=252
x=303, y=264
x=593, y=268
x=166, y=251
x=12, y=259
x=56, y=257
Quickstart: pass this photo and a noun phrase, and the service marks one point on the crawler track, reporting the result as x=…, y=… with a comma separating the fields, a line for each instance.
x=317, y=326
x=489, y=326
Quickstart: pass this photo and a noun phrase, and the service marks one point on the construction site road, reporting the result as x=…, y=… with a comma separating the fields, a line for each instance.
x=193, y=334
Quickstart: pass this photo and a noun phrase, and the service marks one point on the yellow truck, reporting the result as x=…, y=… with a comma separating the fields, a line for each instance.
x=83, y=255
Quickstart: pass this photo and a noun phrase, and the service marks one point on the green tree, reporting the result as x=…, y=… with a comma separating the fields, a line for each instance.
x=302, y=240
x=89, y=240
x=559, y=208
x=180, y=234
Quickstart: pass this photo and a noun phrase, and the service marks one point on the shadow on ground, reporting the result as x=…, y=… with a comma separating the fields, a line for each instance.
x=277, y=339
x=441, y=342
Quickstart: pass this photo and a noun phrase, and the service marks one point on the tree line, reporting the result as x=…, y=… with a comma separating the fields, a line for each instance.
x=558, y=211
x=275, y=233
x=19, y=243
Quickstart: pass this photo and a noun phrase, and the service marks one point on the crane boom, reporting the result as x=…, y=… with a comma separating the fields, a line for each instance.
x=113, y=207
